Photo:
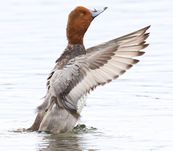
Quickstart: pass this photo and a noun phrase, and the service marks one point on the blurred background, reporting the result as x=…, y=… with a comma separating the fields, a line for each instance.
x=134, y=112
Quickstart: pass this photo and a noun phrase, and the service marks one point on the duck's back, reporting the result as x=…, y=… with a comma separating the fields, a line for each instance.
x=58, y=120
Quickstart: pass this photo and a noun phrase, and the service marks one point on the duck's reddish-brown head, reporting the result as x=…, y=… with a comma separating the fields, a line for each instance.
x=78, y=22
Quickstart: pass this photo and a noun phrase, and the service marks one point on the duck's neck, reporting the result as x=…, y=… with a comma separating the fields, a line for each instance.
x=75, y=49
x=72, y=51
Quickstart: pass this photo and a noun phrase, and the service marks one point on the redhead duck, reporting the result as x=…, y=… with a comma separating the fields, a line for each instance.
x=79, y=70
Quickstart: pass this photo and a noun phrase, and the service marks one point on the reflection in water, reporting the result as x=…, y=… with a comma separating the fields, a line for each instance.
x=68, y=141
x=64, y=142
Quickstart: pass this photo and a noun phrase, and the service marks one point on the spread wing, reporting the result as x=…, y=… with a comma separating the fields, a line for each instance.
x=134, y=38
x=100, y=65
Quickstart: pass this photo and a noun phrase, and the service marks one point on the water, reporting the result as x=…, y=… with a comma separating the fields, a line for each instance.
x=134, y=112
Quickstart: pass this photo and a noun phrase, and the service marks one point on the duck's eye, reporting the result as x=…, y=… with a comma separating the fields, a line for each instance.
x=81, y=14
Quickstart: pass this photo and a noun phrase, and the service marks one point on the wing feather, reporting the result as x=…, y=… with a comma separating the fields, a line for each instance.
x=100, y=65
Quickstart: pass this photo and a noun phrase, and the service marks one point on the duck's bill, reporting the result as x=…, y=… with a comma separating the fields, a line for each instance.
x=95, y=12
